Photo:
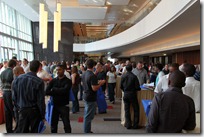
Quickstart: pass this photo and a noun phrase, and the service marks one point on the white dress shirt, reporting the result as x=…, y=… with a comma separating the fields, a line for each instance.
x=192, y=89
x=163, y=84
x=43, y=74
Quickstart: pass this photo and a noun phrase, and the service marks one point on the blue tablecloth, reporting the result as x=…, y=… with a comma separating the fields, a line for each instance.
x=146, y=104
x=144, y=88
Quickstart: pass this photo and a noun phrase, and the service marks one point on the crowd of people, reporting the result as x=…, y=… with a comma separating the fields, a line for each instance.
x=25, y=84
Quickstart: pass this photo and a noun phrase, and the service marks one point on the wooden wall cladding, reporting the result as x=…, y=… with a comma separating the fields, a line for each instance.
x=192, y=57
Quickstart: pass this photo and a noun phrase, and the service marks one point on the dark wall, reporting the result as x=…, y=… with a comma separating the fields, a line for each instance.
x=65, y=46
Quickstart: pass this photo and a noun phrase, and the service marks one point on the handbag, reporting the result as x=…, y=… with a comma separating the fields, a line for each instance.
x=101, y=102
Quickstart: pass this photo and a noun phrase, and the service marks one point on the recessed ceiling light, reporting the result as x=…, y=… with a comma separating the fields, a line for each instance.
x=127, y=10
x=134, y=5
x=164, y=54
x=108, y=3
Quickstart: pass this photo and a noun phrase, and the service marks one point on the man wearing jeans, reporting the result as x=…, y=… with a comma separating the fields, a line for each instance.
x=91, y=85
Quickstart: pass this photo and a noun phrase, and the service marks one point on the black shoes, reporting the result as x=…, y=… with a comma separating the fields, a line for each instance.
x=113, y=102
x=132, y=127
x=102, y=112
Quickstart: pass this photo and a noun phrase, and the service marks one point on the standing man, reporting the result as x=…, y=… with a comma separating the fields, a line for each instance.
x=59, y=89
x=141, y=73
x=171, y=111
x=28, y=95
x=163, y=85
x=6, y=81
x=91, y=85
x=160, y=73
x=192, y=87
x=101, y=75
x=17, y=71
x=130, y=85
x=124, y=68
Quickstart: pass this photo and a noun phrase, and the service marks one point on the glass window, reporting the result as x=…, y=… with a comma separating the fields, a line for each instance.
x=14, y=24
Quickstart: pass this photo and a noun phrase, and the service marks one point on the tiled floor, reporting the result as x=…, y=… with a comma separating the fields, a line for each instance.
x=100, y=126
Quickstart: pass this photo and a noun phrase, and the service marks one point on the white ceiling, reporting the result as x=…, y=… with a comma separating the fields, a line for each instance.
x=83, y=13
x=92, y=2
x=80, y=10
x=118, y=2
x=184, y=27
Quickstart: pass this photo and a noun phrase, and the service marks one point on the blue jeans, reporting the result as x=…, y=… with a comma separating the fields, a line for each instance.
x=81, y=91
x=111, y=91
x=89, y=112
x=75, y=103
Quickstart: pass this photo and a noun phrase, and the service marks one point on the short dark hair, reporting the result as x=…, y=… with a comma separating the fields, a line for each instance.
x=134, y=65
x=139, y=62
x=189, y=69
x=14, y=57
x=175, y=66
x=177, y=79
x=129, y=67
x=159, y=66
x=108, y=61
x=12, y=63
x=34, y=65
x=61, y=66
x=90, y=63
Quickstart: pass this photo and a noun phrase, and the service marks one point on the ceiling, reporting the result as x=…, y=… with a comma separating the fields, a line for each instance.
x=98, y=19
x=95, y=19
x=186, y=26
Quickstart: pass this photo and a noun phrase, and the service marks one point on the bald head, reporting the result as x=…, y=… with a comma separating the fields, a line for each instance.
x=18, y=70
x=98, y=67
x=177, y=79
